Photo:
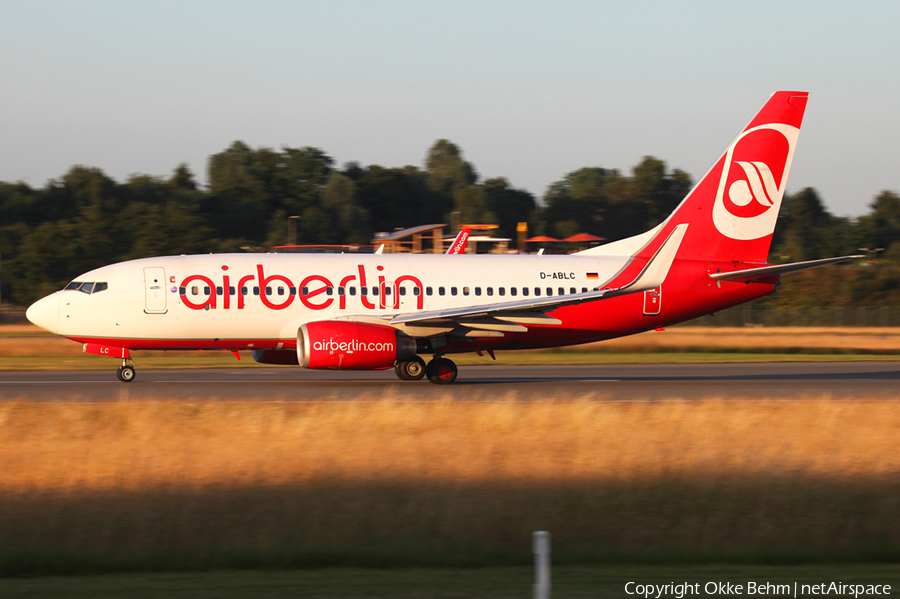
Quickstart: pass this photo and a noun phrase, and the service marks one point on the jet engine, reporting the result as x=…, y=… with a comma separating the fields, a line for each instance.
x=347, y=345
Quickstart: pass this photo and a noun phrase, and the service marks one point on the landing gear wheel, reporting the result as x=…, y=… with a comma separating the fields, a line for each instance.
x=410, y=370
x=125, y=374
x=441, y=371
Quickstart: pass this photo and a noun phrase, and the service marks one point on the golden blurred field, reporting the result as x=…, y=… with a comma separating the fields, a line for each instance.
x=157, y=484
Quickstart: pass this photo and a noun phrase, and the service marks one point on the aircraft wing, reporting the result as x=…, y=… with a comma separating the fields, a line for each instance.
x=532, y=310
x=750, y=274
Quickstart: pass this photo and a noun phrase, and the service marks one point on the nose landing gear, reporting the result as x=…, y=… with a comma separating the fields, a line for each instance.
x=125, y=372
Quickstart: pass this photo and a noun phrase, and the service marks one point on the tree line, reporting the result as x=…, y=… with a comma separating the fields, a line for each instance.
x=85, y=219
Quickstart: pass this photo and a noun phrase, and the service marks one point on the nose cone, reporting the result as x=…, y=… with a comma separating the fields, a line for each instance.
x=45, y=313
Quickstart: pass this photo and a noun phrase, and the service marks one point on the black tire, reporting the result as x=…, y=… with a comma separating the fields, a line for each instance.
x=400, y=371
x=410, y=370
x=442, y=371
x=415, y=368
x=125, y=373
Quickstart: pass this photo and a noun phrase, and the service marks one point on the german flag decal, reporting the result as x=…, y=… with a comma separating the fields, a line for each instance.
x=592, y=275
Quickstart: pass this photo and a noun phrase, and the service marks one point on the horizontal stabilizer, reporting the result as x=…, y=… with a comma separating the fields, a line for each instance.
x=750, y=274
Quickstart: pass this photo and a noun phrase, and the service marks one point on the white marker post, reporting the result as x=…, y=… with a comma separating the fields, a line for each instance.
x=541, y=564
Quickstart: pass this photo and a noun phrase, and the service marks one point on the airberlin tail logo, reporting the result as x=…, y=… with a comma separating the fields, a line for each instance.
x=752, y=182
x=759, y=186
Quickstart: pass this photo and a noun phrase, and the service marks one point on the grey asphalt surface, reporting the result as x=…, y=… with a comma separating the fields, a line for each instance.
x=629, y=382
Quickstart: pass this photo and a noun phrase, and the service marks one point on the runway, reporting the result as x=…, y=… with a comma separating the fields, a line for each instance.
x=625, y=382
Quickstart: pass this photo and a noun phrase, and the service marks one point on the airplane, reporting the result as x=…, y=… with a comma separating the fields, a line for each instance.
x=374, y=312
x=459, y=244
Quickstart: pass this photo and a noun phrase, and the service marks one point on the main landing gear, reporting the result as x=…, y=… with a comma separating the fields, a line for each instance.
x=412, y=369
x=125, y=372
x=439, y=371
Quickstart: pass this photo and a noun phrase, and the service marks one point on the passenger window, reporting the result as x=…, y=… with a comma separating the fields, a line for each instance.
x=182, y=290
x=501, y=291
x=353, y=291
x=364, y=291
x=387, y=290
x=478, y=291
x=305, y=290
x=572, y=290
x=524, y=290
x=402, y=290
x=417, y=291
x=465, y=291
x=329, y=290
x=427, y=291
x=219, y=291
x=268, y=291
x=292, y=291
x=256, y=291
x=280, y=290
x=195, y=290
x=243, y=291
x=584, y=290
x=537, y=291
x=560, y=291
x=230, y=290
x=206, y=290
x=340, y=291
x=98, y=287
x=374, y=290
x=513, y=291
x=441, y=291
x=453, y=291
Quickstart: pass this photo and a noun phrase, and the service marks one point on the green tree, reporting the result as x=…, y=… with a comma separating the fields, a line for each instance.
x=580, y=197
x=509, y=206
x=881, y=227
x=446, y=168
x=805, y=227
x=351, y=221
x=399, y=198
x=469, y=201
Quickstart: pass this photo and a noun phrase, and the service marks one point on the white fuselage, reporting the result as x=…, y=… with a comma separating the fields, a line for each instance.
x=252, y=298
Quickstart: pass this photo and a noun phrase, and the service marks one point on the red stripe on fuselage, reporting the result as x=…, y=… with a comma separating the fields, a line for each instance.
x=190, y=344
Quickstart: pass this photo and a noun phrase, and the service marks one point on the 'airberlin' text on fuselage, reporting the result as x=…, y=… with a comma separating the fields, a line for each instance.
x=315, y=292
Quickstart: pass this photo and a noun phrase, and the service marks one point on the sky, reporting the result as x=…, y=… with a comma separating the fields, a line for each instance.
x=528, y=90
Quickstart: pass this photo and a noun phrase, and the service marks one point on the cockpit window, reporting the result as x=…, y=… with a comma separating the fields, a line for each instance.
x=88, y=288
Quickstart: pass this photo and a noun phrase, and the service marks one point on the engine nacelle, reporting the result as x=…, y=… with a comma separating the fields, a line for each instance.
x=348, y=345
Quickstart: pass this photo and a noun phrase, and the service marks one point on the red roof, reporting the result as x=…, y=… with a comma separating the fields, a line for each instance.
x=542, y=239
x=583, y=237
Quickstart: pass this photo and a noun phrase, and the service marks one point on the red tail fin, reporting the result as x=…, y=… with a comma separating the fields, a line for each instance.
x=459, y=244
x=732, y=211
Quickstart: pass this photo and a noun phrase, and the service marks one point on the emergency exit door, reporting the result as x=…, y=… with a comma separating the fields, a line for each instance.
x=652, y=301
x=155, y=290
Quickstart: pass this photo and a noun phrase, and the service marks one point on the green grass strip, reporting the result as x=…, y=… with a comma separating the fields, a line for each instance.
x=416, y=583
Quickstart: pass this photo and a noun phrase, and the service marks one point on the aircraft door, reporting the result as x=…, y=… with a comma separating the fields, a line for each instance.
x=652, y=301
x=155, y=290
